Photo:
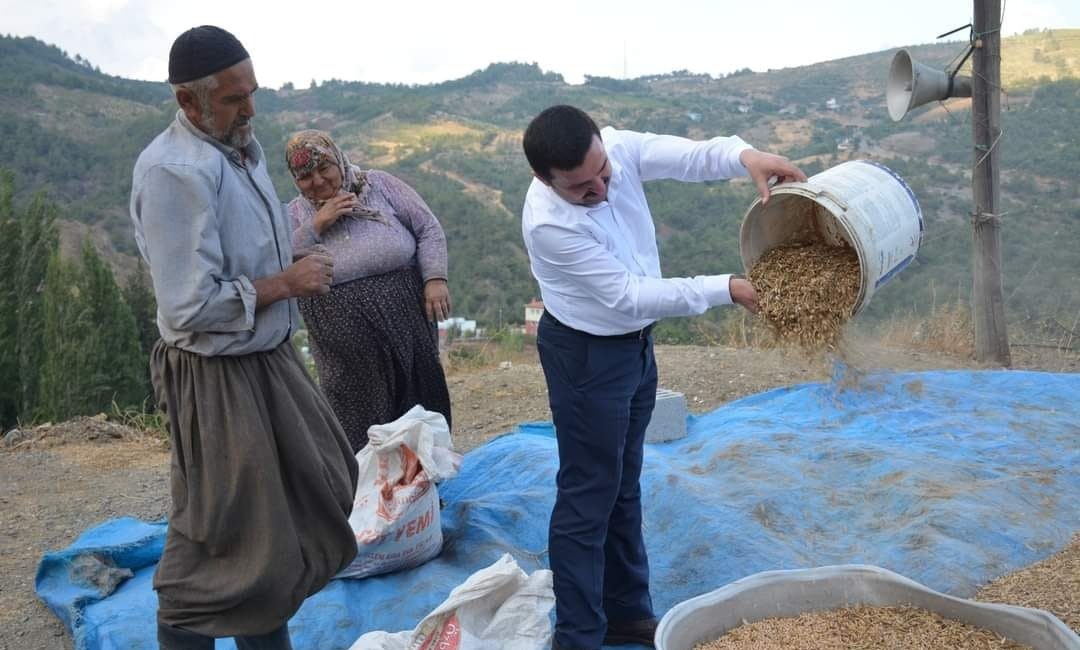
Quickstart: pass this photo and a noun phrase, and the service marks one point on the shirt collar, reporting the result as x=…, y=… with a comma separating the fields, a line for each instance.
x=613, y=185
x=616, y=179
x=252, y=150
x=558, y=203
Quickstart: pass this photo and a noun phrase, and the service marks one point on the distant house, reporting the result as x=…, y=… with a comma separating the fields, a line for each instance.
x=460, y=326
x=455, y=328
x=694, y=117
x=832, y=104
x=533, y=311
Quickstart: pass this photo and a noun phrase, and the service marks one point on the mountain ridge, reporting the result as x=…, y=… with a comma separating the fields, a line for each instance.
x=458, y=143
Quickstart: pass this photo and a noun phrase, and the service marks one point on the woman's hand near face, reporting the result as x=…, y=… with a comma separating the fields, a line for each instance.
x=332, y=210
x=436, y=300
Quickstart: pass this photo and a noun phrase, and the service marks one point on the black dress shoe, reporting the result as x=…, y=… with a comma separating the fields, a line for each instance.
x=640, y=632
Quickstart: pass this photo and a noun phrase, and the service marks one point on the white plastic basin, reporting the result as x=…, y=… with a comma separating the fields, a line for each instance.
x=783, y=594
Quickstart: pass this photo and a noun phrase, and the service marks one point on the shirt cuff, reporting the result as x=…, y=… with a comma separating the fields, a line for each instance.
x=717, y=289
x=736, y=163
x=248, y=296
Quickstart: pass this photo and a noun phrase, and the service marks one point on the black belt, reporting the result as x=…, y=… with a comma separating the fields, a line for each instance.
x=636, y=334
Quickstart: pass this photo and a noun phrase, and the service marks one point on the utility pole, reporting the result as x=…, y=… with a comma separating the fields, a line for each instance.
x=991, y=337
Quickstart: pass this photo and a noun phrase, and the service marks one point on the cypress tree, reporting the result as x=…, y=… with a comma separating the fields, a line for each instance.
x=61, y=372
x=10, y=237
x=92, y=357
x=139, y=296
x=37, y=243
x=110, y=352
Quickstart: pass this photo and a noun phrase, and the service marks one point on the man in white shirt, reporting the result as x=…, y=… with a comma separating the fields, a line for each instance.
x=592, y=248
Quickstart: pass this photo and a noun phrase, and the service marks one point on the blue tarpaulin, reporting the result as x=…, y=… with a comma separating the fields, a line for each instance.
x=949, y=478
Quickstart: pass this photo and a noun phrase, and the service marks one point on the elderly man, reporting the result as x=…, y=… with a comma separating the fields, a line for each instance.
x=592, y=247
x=262, y=475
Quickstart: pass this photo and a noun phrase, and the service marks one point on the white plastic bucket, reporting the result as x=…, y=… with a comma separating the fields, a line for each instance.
x=783, y=594
x=859, y=202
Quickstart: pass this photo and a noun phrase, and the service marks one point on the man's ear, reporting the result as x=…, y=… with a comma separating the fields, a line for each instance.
x=189, y=104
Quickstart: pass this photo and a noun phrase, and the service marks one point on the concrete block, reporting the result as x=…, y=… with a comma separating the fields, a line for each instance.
x=668, y=418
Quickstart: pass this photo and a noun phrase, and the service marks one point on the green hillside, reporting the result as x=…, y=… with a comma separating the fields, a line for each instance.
x=69, y=129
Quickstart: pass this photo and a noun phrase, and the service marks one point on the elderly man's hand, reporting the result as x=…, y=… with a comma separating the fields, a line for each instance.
x=299, y=254
x=311, y=275
x=764, y=166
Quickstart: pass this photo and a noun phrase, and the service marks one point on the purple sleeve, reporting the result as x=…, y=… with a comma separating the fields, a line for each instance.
x=303, y=233
x=418, y=218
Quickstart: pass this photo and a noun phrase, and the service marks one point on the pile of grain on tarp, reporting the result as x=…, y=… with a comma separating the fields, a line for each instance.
x=1053, y=585
x=807, y=291
x=880, y=628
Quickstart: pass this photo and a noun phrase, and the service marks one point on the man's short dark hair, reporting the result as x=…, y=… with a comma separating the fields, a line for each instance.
x=558, y=138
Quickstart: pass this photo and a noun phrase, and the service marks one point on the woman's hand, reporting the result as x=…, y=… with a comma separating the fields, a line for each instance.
x=333, y=210
x=436, y=299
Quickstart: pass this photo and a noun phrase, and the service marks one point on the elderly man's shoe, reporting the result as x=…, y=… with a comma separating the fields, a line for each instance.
x=641, y=632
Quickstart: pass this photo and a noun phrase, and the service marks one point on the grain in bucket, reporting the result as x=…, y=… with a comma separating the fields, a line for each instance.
x=800, y=237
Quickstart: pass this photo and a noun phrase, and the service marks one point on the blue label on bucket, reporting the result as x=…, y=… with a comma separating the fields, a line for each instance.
x=914, y=201
x=896, y=269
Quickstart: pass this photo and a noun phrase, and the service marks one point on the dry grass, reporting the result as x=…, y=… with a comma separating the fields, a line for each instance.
x=744, y=330
x=503, y=349
x=807, y=292
x=97, y=429
x=861, y=627
x=947, y=329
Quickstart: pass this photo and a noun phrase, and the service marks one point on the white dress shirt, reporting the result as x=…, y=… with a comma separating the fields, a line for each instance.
x=598, y=266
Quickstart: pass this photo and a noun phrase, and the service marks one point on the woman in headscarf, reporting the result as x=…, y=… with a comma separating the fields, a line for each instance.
x=374, y=335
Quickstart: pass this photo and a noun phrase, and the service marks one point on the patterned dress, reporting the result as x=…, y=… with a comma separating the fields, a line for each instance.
x=375, y=351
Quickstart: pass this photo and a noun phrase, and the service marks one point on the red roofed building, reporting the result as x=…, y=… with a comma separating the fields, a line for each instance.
x=533, y=311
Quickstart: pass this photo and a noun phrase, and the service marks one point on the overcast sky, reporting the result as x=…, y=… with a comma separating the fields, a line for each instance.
x=425, y=41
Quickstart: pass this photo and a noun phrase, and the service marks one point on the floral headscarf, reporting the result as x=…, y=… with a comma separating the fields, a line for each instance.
x=307, y=150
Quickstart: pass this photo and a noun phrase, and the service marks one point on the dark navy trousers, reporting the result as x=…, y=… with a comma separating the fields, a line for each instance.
x=602, y=391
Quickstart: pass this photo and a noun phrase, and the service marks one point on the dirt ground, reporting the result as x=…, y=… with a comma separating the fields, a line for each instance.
x=56, y=481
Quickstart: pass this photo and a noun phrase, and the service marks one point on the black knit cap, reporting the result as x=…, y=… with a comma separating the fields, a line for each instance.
x=202, y=51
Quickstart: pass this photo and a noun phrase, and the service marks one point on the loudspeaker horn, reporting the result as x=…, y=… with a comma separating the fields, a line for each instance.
x=912, y=84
